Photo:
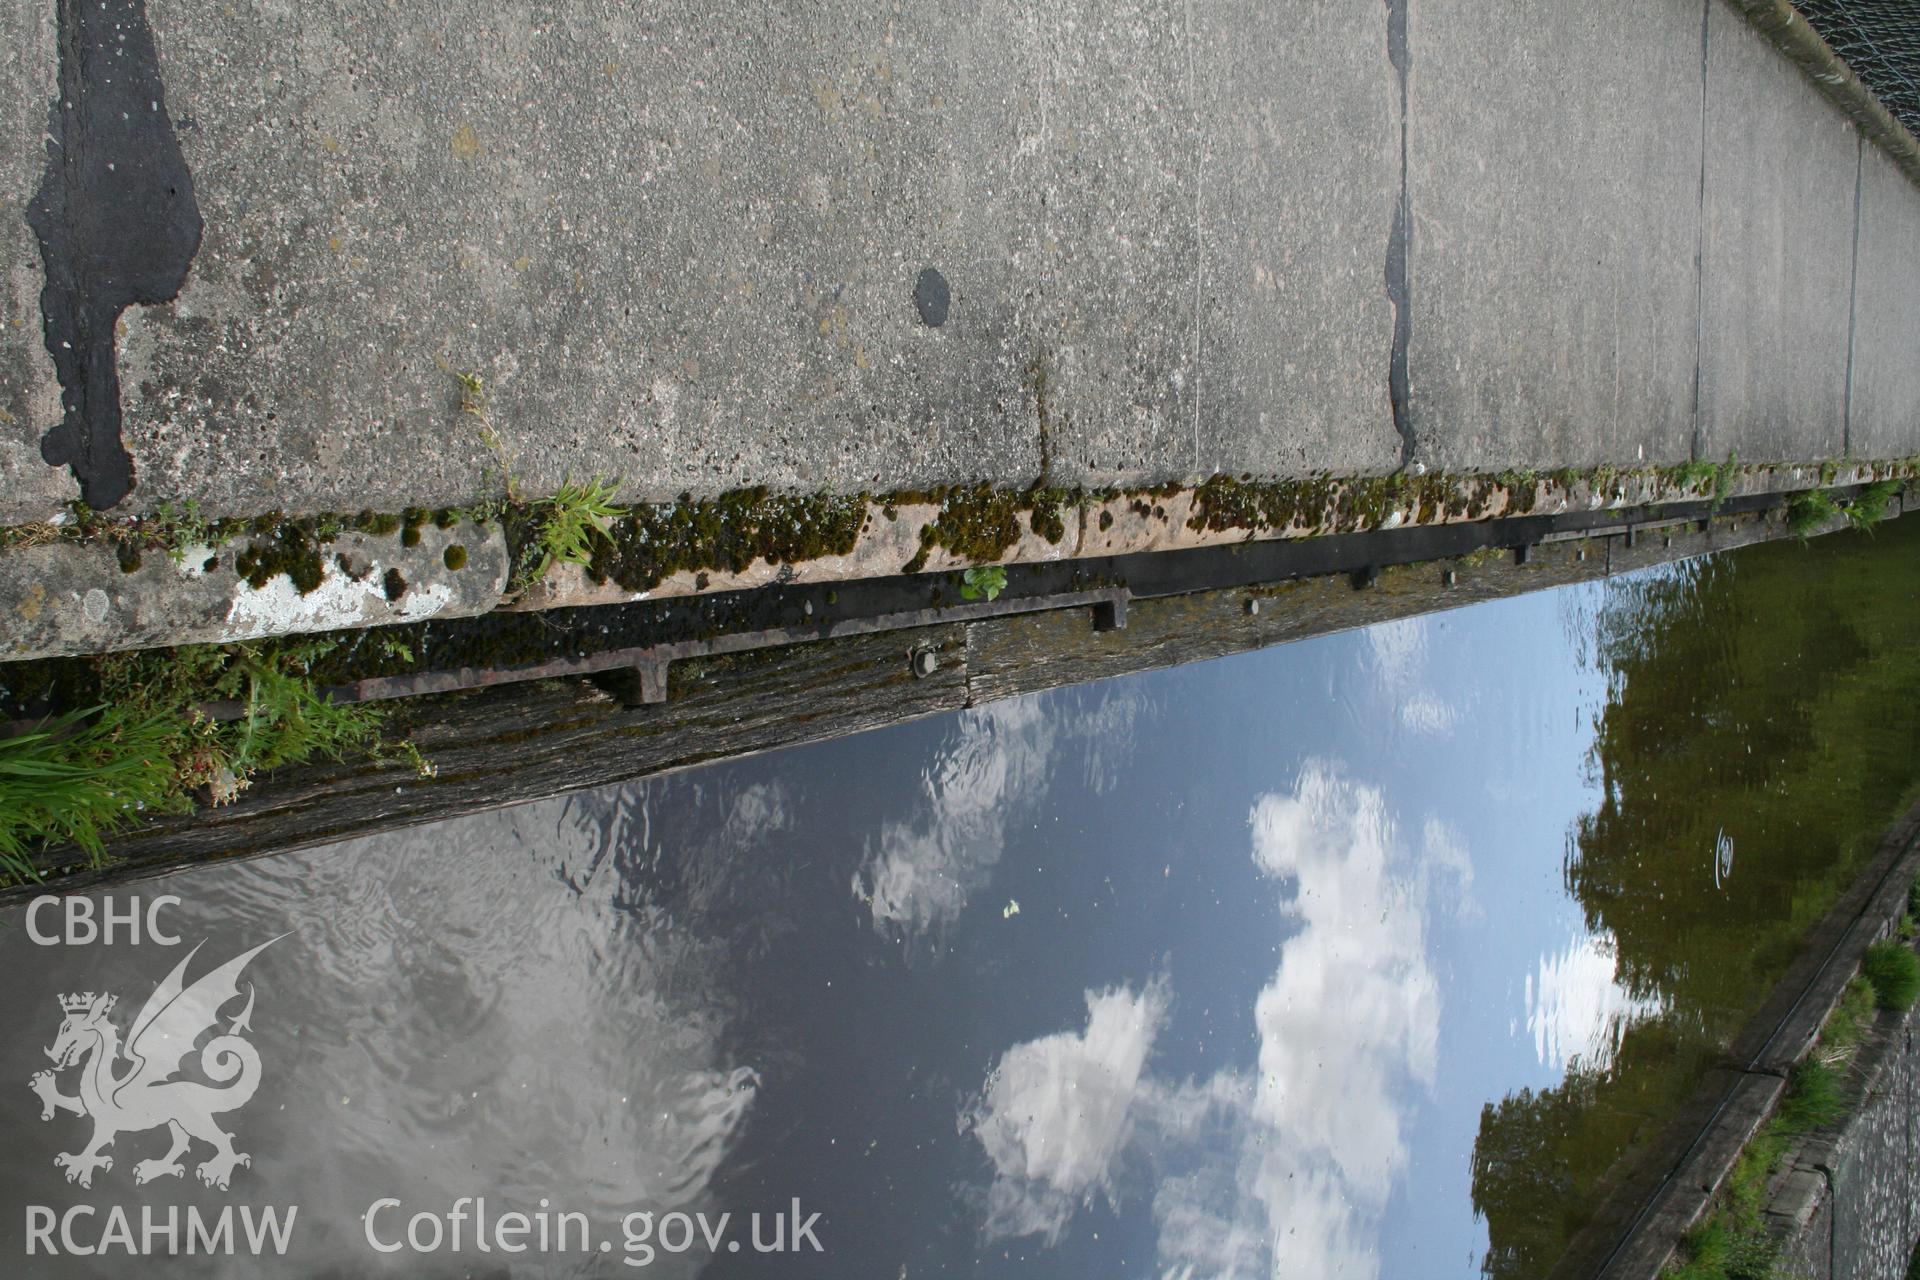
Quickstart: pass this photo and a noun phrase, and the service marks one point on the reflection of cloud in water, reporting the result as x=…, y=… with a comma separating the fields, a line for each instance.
x=1058, y=1110
x=1396, y=655
x=1423, y=712
x=1446, y=873
x=1285, y=1171
x=1577, y=1008
x=457, y=1023
x=998, y=759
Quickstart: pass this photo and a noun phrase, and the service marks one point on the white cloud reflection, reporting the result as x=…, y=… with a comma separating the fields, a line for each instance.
x=1058, y=1111
x=1285, y=1171
x=925, y=868
x=1577, y=1008
x=1396, y=655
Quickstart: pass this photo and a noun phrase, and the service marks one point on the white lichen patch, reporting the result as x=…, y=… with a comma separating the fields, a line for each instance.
x=339, y=601
x=191, y=560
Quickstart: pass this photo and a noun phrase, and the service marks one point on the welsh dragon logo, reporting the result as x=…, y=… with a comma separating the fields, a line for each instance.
x=145, y=1093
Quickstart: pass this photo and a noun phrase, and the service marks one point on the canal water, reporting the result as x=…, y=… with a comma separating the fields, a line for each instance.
x=1367, y=956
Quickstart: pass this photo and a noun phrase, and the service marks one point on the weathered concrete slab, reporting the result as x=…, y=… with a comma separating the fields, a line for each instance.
x=678, y=245
x=682, y=245
x=1886, y=335
x=29, y=396
x=1554, y=183
x=1298, y=170
x=699, y=247
x=1777, y=254
x=1106, y=160
x=1807, y=1254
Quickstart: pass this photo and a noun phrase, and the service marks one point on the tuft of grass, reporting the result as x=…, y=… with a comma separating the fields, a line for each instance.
x=1714, y=479
x=77, y=779
x=1809, y=511
x=1870, y=507
x=1733, y=1242
x=567, y=525
x=150, y=747
x=1694, y=475
x=1849, y=1022
x=1812, y=1100
x=1894, y=970
x=1723, y=482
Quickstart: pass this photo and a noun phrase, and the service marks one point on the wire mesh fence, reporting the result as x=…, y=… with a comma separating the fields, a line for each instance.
x=1880, y=39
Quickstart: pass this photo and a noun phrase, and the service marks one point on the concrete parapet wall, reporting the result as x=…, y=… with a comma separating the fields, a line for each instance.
x=844, y=248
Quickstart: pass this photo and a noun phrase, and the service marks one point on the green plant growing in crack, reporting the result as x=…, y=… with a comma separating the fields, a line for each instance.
x=1808, y=512
x=179, y=528
x=565, y=527
x=1723, y=482
x=1694, y=475
x=1715, y=478
x=1870, y=507
x=983, y=582
x=473, y=404
x=1894, y=970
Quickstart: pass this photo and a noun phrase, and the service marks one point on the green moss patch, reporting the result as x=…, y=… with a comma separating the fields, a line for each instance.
x=725, y=534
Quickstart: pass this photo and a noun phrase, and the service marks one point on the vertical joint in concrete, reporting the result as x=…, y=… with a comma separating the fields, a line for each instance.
x=1400, y=56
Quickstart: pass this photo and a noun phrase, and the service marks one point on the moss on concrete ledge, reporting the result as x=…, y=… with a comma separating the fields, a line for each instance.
x=726, y=533
x=972, y=523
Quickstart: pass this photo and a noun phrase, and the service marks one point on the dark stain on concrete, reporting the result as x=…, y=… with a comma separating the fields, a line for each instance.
x=932, y=297
x=1401, y=57
x=117, y=222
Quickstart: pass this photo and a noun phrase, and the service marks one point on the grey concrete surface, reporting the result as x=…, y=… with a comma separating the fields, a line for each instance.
x=1873, y=1177
x=681, y=249
x=1885, y=416
x=1555, y=166
x=1807, y=1253
x=680, y=243
x=1294, y=327
x=1777, y=254
x=29, y=396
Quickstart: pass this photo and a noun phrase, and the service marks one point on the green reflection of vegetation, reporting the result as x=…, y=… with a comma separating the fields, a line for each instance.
x=1766, y=693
